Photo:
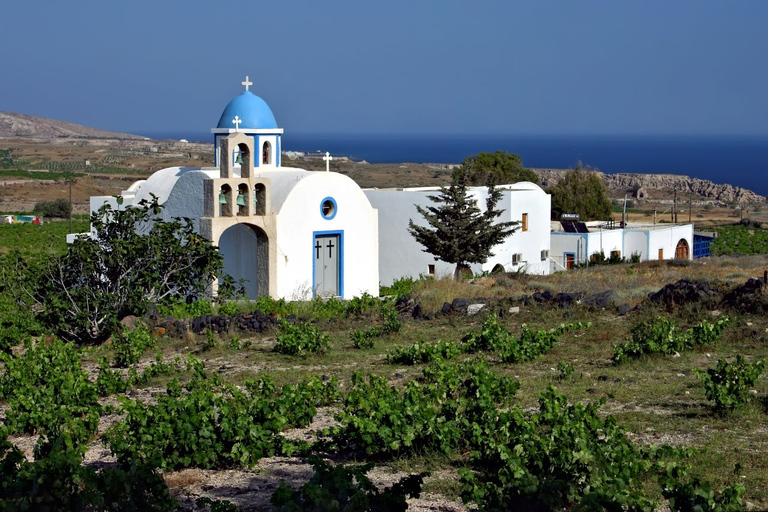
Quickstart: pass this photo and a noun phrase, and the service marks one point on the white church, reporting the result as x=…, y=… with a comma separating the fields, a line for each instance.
x=297, y=234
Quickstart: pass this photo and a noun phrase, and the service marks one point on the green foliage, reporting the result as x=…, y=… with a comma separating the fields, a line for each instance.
x=564, y=370
x=183, y=309
x=420, y=353
x=277, y=307
x=362, y=304
x=110, y=382
x=48, y=392
x=392, y=323
x=739, y=239
x=563, y=457
x=129, y=346
x=300, y=339
x=399, y=288
x=728, y=384
x=439, y=413
x=135, y=258
x=210, y=340
x=216, y=505
x=32, y=239
x=16, y=328
x=662, y=336
x=335, y=488
x=57, y=480
x=363, y=338
x=582, y=192
x=458, y=231
x=686, y=494
x=493, y=337
x=215, y=425
x=497, y=168
x=60, y=208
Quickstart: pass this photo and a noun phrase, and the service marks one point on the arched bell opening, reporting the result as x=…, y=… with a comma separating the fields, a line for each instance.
x=242, y=201
x=244, y=160
x=266, y=153
x=244, y=249
x=682, y=251
x=260, y=199
x=225, y=201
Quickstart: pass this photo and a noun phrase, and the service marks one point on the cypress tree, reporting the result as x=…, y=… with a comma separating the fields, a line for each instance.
x=458, y=232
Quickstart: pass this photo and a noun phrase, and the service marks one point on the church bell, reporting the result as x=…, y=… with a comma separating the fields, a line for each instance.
x=240, y=199
x=222, y=198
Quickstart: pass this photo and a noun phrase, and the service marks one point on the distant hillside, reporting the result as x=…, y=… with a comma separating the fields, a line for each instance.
x=22, y=125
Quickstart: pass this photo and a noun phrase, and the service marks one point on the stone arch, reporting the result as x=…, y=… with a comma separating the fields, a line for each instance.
x=498, y=269
x=682, y=251
x=230, y=143
x=245, y=251
x=266, y=153
x=247, y=159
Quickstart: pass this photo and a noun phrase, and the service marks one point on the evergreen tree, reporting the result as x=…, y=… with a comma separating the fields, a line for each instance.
x=581, y=191
x=494, y=168
x=458, y=231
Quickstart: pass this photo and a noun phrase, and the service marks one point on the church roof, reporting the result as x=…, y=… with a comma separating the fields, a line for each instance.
x=252, y=110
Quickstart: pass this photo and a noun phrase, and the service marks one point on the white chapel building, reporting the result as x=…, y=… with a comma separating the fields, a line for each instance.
x=286, y=232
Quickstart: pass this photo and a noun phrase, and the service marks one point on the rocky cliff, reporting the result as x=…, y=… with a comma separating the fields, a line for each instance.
x=22, y=125
x=662, y=186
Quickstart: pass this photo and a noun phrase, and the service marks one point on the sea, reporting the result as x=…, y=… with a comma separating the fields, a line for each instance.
x=739, y=161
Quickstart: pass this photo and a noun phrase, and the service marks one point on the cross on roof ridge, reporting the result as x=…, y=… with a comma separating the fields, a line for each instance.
x=247, y=83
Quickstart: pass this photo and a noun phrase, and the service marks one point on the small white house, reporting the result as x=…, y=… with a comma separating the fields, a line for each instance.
x=400, y=255
x=285, y=232
x=575, y=243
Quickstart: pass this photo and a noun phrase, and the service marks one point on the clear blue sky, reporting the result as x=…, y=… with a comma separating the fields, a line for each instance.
x=334, y=67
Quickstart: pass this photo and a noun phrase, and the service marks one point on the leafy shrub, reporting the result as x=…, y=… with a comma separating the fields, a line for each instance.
x=362, y=304
x=135, y=258
x=728, y=384
x=345, y=488
x=392, y=323
x=57, y=480
x=440, y=412
x=60, y=208
x=300, y=339
x=16, y=329
x=48, y=390
x=564, y=370
x=110, y=382
x=216, y=425
x=229, y=308
x=698, y=496
x=277, y=307
x=662, y=336
x=129, y=346
x=420, y=353
x=399, y=288
x=563, y=457
x=493, y=337
x=363, y=338
x=183, y=309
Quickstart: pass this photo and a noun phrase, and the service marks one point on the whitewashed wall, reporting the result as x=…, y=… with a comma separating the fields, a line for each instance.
x=299, y=217
x=401, y=256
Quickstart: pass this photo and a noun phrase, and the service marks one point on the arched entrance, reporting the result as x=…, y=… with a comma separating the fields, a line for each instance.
x=245, y=251
x=682, y=251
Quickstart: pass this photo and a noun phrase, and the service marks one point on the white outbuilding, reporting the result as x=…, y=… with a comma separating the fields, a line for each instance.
x=575, y=243
x=400, y=255
x=287, y=233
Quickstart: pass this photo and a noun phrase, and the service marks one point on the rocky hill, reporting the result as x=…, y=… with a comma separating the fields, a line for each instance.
x=22, y=125
x=662, y=186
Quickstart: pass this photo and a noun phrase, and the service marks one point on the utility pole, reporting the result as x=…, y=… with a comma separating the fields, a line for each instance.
x=690, y=205
x=674, y=208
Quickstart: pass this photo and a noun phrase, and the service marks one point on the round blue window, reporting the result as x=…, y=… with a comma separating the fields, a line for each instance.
x=328, y=208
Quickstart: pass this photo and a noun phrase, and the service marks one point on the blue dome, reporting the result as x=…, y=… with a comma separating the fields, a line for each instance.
x=253, y=110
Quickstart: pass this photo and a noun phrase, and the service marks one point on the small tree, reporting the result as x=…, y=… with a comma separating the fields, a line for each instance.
x=134, y=258
x=60, y=208
x=458, y=231
x=494, y=169
x=581, y=191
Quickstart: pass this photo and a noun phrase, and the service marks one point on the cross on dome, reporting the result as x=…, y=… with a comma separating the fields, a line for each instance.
x=236, y=121
x=327, y=159
x=247, y=83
